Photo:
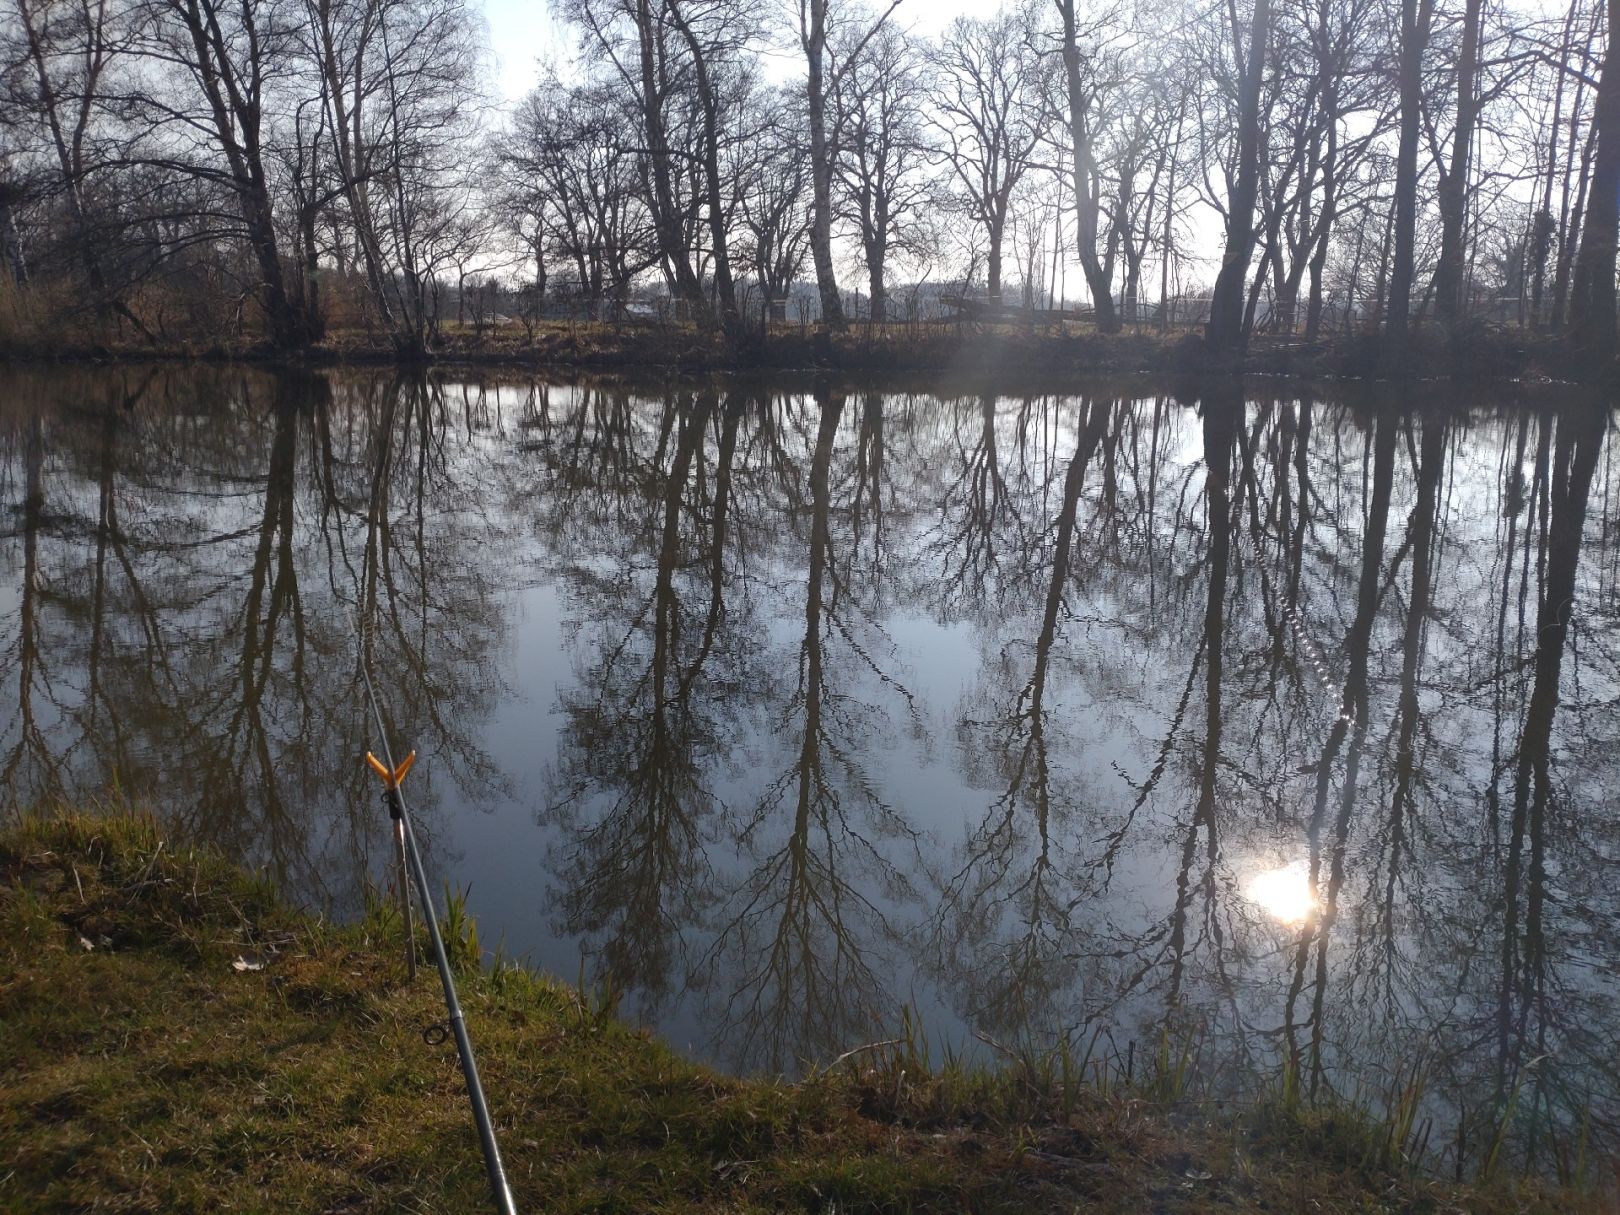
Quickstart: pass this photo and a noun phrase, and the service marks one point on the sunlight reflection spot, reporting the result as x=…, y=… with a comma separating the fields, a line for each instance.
x=1283, y=893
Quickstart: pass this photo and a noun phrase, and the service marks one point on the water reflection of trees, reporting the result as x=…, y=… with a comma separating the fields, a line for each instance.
x=1009, y=698
x=723, y=825
x=644, y=723
x=1543, y=1009
x=1344, y=660
x=1208, y=641
x=1008, y=863
x=197, y=548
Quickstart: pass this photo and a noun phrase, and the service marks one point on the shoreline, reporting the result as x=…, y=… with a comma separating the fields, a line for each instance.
x=1483, y=357
x=178, y=1038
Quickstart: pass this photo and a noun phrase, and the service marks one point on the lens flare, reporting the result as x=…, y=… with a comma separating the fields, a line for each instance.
x=1283, y=893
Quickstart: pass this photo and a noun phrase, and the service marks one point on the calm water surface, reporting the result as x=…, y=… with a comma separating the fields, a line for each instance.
x=1290, y=723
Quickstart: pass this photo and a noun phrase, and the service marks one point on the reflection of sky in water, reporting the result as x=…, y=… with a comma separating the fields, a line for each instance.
x=997, y=871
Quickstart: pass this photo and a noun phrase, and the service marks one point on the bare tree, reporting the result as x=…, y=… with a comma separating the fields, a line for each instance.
x=1323, y=110
x=1417, y=16
x=398, y=79
x=568, y=174
x=1592, y=311
x=773, y=205
x=818, y=22
x=1080, y=89
x=635, y=45
x=260, y=169
x=1453, y=189
x=881, y=186
x=66, y=56
x=1226, y=309
x=714, y=33
x=223, y=61
x=986, y=113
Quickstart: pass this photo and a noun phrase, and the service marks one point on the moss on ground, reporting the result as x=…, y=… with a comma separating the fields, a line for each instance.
x=142, y=1071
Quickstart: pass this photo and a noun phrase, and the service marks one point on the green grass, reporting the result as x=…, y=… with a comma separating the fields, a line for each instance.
x=144, y=1073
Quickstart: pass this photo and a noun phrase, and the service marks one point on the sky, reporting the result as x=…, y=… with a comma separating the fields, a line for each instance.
x=524, y=32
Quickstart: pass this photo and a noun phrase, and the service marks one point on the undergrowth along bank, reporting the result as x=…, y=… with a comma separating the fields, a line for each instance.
x=1482, y=355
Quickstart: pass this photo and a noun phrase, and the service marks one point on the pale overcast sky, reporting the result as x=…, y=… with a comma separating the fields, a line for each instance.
x=522, y=32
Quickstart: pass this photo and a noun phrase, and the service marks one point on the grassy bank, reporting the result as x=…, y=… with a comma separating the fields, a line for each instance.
x=145, y=1070
x=1485, y=355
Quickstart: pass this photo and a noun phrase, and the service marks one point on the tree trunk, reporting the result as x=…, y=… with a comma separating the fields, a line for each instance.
x=730, y=317
x=1324, y=229
x=1225, y=330
x=1354, y=284
x=1270, y=257
x=237, y=129
x=814, y=37
x=10, y=239
x=1167, y=245
x=1285, y=309
x=1448, y=275
x=992, y=269
x=312, y=284
x=287, y=329
x=1592, y=296
x=667, y=220
x=1572, y=234
x=1415, y=20
x=1569, y=222
x=1133, y=285
x=1553, y=240
x=1313, y=306
x=1381, y=280
x=1085, y=202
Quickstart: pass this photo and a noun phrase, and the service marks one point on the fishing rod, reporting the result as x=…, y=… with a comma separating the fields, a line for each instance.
x=392, y=776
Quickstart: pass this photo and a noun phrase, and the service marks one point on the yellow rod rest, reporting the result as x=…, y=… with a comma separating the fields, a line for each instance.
x=389, y=779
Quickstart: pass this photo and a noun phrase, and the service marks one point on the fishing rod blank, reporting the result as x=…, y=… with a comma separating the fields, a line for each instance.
x=403, y=881
x=391, y=776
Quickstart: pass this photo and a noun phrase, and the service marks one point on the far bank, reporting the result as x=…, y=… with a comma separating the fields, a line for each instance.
x=1481, y=355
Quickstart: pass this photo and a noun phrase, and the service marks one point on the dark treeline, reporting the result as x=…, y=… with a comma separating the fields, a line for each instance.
x=192, y=169
x=998, y=705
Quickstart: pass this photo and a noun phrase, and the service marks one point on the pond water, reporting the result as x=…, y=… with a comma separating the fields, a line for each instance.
x=1254, y=723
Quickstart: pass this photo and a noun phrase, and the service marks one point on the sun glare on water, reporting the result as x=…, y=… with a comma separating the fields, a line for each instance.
x=1284, y=894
